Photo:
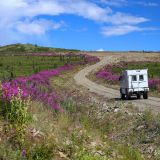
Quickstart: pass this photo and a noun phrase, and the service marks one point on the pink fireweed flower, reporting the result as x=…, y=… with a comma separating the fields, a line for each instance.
x=37, y=86
x=108, y=74
x=24, y=153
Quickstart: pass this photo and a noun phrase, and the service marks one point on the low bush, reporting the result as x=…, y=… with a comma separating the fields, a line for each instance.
x=7, y=152
x=42, y=152
x=157, y=154
x=88, y=156
x=15, y=113
x=16, y=110
x=149, y=121
x=69, y=106
x=130, y=153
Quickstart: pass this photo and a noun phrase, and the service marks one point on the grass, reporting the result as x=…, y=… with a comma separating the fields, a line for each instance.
x=78, y=133
x=117, y=68
x=7, y=152
x=130, y=153
x=120, y=127
x=30, y=48
x=68, y=135
x=15, y=66
x=153, y=68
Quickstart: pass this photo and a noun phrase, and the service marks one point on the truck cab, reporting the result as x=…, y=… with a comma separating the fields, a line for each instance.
x=134, y=83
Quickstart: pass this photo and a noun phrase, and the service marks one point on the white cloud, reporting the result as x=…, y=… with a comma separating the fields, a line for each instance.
x=37, y=27
x=19, y=17
x=86, y=9
x=120, y=18
x=100, y=50
x=147, y=4
x=117, y=3
x=22, y=8
x=120, y=3
x=152, y=4
x=119, y=30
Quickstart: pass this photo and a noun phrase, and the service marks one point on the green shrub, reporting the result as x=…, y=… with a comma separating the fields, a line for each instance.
x=130, y=153
x=69, y=105
x=157, y=154
x=147, y=128
x=85, y=121
x=86, y=155
x=148, y=117
x=42, y=152
x=16, y=111
x=7, y=152
x=0, y=89
x=150, y=122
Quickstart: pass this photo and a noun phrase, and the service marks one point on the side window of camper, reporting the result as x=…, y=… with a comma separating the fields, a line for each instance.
x=134, y=78
x=141, y=77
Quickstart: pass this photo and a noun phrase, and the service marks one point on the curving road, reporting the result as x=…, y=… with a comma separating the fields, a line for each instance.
x=81, y=79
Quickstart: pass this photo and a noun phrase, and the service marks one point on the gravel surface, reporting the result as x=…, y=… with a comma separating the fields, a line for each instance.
x=82, y=80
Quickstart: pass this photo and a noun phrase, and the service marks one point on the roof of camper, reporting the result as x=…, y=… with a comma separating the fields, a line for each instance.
x=137, y=71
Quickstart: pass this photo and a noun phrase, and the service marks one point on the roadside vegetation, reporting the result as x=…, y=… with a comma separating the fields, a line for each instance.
x=111, y=73
x=124, y=128
x=15, y=66
x=44, y=116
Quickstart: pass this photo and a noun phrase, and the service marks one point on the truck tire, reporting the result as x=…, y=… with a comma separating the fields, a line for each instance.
x=128, y=96
x=123, y=96
x=138, y=96
x=145, y=95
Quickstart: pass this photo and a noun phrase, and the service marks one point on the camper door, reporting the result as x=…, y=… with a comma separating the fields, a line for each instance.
x=134, y=81
x=143, y=81
x=138, y=81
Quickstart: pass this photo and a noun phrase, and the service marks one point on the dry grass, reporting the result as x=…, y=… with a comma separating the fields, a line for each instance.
x=81, y=132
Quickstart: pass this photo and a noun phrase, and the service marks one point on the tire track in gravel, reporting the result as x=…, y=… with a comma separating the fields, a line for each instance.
x=82, y=80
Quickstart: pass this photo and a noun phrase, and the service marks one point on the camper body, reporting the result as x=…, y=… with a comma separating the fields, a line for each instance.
x=134, y=82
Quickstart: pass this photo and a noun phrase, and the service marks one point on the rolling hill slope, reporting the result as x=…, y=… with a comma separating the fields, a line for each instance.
x=30, y=48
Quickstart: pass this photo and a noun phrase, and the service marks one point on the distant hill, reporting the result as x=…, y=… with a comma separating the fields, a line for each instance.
x=30, y=48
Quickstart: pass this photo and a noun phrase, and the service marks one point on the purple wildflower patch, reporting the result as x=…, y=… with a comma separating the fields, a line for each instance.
x=38, y=86
x=108, y=74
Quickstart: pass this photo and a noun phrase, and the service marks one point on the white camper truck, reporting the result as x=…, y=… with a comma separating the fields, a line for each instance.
x=134, y=82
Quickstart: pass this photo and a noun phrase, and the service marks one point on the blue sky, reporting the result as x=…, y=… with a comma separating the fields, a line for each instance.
x=82, y=24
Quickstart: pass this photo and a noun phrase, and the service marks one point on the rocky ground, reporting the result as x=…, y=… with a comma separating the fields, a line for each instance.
x=122, y=122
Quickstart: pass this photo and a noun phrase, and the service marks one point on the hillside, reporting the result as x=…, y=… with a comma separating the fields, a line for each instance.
x=30, y=48
x=56, y=107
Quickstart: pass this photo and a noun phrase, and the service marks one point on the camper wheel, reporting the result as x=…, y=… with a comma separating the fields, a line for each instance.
x=128, y=96
x=145, y=95
x=138, y=96
x=123, y=96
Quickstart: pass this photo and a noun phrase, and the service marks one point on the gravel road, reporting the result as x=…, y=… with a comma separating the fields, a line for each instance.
x=82, y=80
